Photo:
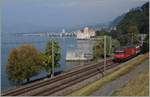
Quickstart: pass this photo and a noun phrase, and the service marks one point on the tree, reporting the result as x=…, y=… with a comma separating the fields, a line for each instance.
x=132, y=33
x=52, y=48
x=145, y=46
x=98, y=48
x=115, y=44
x=101, y=33
x=23, y=63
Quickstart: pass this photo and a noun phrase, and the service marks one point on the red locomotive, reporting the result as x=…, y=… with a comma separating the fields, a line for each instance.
x=126, y=52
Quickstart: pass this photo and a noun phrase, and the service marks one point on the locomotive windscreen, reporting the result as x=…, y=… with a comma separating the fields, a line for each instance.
x=119, y=50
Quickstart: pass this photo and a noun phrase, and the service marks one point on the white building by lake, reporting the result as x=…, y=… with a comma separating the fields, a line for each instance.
x=86, y=33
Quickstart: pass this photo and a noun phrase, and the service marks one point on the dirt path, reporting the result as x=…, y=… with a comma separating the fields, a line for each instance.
x=108, y=89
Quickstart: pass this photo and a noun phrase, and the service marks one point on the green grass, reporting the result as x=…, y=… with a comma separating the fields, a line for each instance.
x=136, y=87
x=89, y=89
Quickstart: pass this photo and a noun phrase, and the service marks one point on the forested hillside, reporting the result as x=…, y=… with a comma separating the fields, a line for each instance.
x=134, y=22
x=138, y=17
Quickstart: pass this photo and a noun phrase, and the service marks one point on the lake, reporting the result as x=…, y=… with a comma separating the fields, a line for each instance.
x=10, y=41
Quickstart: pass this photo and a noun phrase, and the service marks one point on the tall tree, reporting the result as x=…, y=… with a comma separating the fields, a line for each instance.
x=23, y=63
x=51, y=56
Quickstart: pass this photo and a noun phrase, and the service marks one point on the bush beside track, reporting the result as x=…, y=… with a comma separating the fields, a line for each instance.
x=85, y=91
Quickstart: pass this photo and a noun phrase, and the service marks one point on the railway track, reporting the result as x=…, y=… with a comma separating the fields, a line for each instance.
x=52, y=85
x=78, y=79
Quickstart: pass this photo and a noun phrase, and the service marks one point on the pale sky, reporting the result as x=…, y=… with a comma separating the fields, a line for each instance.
x=20, y=15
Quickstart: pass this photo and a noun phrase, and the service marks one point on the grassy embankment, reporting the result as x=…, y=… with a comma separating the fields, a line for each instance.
x=89, y=89
x=139, y=86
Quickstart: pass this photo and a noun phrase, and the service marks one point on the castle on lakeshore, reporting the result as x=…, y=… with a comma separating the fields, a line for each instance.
x=86, y=33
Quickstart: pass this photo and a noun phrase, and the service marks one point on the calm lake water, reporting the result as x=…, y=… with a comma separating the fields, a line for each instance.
x=10, y=41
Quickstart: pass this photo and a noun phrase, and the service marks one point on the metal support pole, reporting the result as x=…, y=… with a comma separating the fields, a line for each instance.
x=110, y=45
x=132, y=38
x=104, y=54
x=52, y=59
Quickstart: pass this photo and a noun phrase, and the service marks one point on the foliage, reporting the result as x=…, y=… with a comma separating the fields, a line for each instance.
x=145, y=47
x=23, y=63
x=101, y=33
x=132, y=34
x=47, y=56
x=46, y=60
x=132, y=18
x=98, y=48
x=115, y=44
x=134, y=22
x=114, y=34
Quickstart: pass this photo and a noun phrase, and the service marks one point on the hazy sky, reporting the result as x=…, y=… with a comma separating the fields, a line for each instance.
x=62, y=13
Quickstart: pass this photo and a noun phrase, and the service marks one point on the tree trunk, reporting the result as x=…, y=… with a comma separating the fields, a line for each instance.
x=49, y=75
x=28, y=79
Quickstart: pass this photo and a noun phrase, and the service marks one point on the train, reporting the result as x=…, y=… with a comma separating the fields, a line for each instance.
x=125, y=53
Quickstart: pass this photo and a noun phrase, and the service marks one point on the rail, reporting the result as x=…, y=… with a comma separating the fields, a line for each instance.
x=51, y=85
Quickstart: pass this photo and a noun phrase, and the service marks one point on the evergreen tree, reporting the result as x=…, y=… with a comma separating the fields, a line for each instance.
x=51, y=56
